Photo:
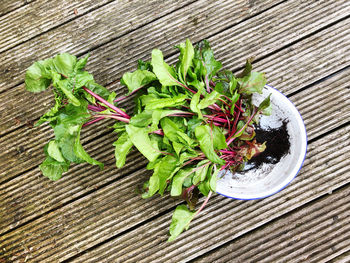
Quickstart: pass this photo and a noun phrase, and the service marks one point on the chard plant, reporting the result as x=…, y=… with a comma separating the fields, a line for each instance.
x=192, y=121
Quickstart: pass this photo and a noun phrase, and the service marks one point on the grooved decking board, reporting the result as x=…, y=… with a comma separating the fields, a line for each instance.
x=39, y=17
x=325, y=105
x=231, y=47
x=98, y=29
x=105, y=213
x=316, y=104
x=317, y=233
x=31, y=183
x=7, y=6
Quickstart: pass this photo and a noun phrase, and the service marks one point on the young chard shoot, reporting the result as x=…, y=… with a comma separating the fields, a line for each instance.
x=191, y=120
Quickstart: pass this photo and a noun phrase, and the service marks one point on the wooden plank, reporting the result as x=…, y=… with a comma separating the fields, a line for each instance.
x=39, y=17
x=226, y=48
x=225, y=219
x=318, y=232
x=31, y=157
x=7, y=6
x=318, y=120
x=176, y=16
x=344, y=258
x=109, y=211
x=14, y=62
x=323, y=108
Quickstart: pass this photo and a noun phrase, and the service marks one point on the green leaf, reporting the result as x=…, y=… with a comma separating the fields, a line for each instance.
x=156, y=103
x=176, y=187
x=122, y=148
x=180, y=221
x=53, y=169
x=81, y=63
x=247, y=69
x=211, y=65
x=159, y=114
x=82, y=79
x=63, y=85
x=142, y=119
x=82, y=154
x=195, y=101
x=204, y=187
x=208, y=100
x=204, y=135
x=201, y=172
x=137, y=79
x=186, y=57
x=51, y=114
x=163, y=71
x=162, y=172
x=213, y=180
x=255, y=82
x=64, y=63
x=98, y=89
x=219, y=138
x=139, y=137
x=264, y=104
x=54, y=151
x=36, y=78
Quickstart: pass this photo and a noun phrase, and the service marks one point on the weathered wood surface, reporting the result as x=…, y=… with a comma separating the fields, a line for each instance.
x=93, y=216
x=318, y=232
x=7, y=6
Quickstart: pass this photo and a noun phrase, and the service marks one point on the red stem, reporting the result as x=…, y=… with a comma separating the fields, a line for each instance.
x=119, y=111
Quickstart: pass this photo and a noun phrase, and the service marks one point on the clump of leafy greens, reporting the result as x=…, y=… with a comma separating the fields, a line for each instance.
x=191, y=120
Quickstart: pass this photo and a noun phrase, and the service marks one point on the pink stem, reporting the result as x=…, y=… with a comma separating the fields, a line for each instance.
x=114, y=117
x=122, y=113
x=93, y=121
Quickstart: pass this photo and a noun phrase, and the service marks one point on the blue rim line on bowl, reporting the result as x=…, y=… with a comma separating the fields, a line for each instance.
x=301, y=164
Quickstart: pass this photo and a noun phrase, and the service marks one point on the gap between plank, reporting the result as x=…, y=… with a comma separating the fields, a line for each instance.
x=298, y=209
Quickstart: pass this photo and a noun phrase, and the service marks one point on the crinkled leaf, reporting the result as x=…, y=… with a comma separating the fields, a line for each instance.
x=211, y=65
x=37, y=78
x=141, y=140
x=51, y=114
x=137, y=79
x=64, y=63
x=54, y=151
x=82, y=79
x=204, y=135
x=163, y=71
x=254, y=82
x=53, y=169
x=180, y=221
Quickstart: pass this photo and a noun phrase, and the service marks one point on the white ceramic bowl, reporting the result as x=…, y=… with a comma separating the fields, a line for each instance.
x=269, y=179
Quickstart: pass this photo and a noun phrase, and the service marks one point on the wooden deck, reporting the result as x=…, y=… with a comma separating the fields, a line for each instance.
x=96, y=216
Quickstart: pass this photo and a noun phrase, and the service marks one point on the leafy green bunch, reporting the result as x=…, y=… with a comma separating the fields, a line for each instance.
x=192, y=121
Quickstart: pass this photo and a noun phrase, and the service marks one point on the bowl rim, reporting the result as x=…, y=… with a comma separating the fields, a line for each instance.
x=301, y=163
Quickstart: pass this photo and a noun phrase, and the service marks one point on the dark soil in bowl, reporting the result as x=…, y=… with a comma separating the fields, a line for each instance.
x=277, y=145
